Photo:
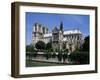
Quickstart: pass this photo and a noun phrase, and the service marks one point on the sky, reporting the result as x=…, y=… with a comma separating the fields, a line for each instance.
x=70, y=21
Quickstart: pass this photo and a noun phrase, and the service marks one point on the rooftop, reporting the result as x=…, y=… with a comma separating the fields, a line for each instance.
x=48, y=35
x=67, y=32
x=74, y=31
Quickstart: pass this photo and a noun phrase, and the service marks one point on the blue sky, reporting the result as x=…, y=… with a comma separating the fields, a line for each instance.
x=70, y=21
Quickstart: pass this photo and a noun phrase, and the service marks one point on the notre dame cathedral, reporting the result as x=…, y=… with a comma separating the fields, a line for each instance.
x=68, y=39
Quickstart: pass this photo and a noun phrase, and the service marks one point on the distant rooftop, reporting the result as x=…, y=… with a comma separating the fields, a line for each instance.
x=74, y=31
x=67, y=32
x=48, y=35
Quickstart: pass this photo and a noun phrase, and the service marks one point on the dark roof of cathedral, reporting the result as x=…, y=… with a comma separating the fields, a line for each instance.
x=55, y=29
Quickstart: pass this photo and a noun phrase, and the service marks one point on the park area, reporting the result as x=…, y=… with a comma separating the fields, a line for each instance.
x=38, y=59
x=44, y=55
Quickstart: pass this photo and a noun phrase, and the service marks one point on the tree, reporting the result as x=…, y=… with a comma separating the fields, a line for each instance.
x=29, y=48
x=40, y=45
x=53, y=55
x=47, y=54
x=60, y=56
x=65, y=54
x=49, y=45
x=80, y=57
x=30, y=51
x=85, y=45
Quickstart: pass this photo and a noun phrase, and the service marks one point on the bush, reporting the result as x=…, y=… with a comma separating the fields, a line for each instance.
x=80, y=57
x=50, y=50
x=31, y=54
x=57, y=50
x=35, y=54
x=47, y=54
x=65, y=56
x=53, y=55
x=29, y=48
x=85, y=46
x=59, y=56
x=49, y=45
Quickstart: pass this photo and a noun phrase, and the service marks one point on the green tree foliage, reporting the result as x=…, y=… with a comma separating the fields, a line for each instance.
x=40, y=45
x=49, y=45
x=60, y=56
x=47, y=54
x=29, y=48
x=65, y=55
x=80, y=57
x=53, y=55
x=30, y=51
x=34, y=54
x=85, y=46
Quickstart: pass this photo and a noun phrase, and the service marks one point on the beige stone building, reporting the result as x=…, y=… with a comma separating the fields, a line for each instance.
x=69, y=39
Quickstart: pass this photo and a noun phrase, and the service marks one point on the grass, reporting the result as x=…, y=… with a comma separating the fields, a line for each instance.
x=31, y=63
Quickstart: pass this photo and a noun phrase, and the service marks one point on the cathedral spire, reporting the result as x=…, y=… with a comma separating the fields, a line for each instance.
x=61, y=26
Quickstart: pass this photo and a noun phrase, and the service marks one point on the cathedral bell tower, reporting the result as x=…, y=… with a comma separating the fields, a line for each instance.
x=37, y=33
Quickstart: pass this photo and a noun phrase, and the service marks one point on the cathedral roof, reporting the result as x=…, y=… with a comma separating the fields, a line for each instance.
x=55, y=29
x=75, y=31
x=48, y=35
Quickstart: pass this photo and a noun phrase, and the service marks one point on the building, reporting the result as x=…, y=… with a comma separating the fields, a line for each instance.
x=68, y=39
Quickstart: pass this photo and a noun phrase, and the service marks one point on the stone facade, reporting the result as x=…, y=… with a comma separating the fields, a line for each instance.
x=68, y=39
